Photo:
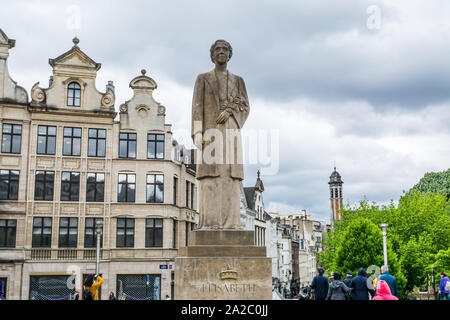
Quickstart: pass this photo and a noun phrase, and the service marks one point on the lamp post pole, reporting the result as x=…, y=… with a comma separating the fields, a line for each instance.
x=98, y=232
x=383, y=228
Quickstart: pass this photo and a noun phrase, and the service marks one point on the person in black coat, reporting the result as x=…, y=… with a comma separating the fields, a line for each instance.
x=320, y=285
x=359, y=285
x=348, y=282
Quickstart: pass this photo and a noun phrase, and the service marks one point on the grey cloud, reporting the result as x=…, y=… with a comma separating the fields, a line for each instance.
x=357, y=86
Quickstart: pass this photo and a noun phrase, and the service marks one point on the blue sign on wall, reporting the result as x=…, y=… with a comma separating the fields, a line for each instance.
x=163, y=266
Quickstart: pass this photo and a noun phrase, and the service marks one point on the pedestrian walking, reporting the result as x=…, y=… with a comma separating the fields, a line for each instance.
x=348, y=282
x=444, y=287
x=112, y=296
x=91, y=286
x=384, y=291
x=390, y=279
x=338, y=290
x=320, y=285
x=360, y=286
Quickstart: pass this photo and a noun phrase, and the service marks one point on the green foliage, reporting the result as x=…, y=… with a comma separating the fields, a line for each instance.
x=442, y=261
x=418, y=238
x=434, y=182
x=360, y=247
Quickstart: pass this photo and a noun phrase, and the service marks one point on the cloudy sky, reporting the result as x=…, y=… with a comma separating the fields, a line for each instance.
x=360, y=84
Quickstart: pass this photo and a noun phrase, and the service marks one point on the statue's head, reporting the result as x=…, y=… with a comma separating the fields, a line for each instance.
x=218, y=49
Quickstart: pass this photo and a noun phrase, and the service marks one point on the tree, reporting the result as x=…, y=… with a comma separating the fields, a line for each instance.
x=361, y=246
x=434, y=182
x=442, y=261
x=418, y=231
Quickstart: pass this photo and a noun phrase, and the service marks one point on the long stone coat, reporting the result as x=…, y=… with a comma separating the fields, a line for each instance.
x=206, y=107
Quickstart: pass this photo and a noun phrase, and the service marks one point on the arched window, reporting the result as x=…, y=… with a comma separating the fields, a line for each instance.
x=73, y=94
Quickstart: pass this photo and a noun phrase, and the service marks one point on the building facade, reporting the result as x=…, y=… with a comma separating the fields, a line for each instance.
x=69, y=169
x=307, y=237
x=255, y=207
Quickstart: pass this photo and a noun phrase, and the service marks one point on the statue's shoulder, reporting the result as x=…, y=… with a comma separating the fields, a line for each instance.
x=205, y=75
x=235, y=76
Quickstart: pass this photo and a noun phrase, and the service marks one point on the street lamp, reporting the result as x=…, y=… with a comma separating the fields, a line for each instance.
x=383, y=228
x=98, y=232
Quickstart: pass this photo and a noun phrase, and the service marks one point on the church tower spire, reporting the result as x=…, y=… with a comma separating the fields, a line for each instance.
x=335, y=185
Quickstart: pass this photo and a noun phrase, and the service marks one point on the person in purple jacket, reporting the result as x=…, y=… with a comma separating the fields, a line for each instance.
x=444, y=294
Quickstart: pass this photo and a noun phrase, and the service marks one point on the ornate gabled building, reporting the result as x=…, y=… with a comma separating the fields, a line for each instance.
x=68, y=168
x=255, y=203
x=336, y=199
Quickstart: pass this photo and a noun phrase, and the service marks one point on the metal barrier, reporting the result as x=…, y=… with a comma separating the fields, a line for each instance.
x=3, y=282
x=50, y=288
x=138, y=287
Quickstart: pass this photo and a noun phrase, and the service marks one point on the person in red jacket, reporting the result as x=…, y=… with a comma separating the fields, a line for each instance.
x=384, y=292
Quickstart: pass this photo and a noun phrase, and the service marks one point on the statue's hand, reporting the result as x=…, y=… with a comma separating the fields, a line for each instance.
x=223, y=116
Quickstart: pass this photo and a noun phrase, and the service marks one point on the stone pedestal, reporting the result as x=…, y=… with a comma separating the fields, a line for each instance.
x=222, y=265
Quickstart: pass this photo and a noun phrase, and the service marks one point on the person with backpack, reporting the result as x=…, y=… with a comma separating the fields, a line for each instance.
x=444, y=287
x=338, y=290
x=91, y=286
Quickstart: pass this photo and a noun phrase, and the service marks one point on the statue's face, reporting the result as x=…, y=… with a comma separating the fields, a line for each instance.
x=221, y=53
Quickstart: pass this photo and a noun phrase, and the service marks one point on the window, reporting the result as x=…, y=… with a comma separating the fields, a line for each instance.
x=50, y=287
x=331, y=191
x=186, y=232
x=192, y=196
x=97, y=143
x=11, y=138
x=138, y=286
x=127, y=145
x=174, y=235
x=336, y=193
x=155, y=188
x=70, y=186
x=187, y=194
x=127, y=186
x=340, y=193
x=43, y=187
x=9, y=184
x=153, y=233
x=90, y=237
x=8, y=233
x=125, y=233
x=42, y=233
x=68, y=232
x=95, y=188
x=73, y=94
x=155, y=146
x=46, y=143
x=72, y=142
x=175, y=186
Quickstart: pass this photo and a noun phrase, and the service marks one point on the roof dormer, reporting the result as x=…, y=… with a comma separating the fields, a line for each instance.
x=72, y=86
x=142, y=111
